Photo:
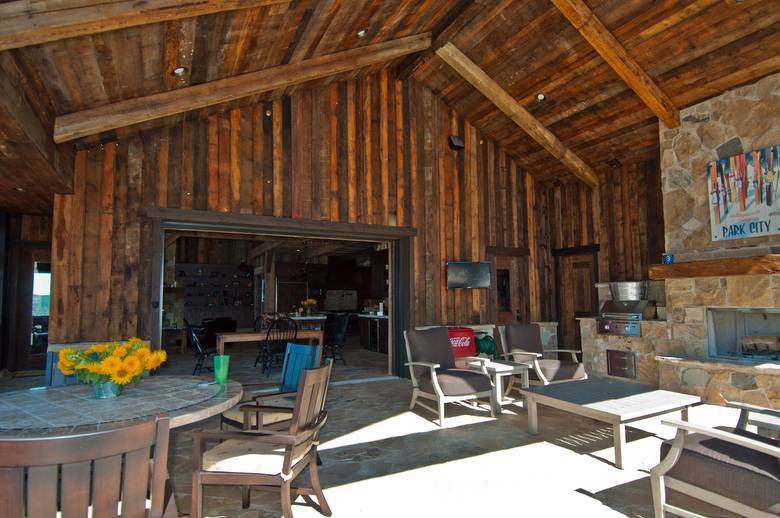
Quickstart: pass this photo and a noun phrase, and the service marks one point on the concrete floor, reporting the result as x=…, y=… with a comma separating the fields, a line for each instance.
x=382, y=460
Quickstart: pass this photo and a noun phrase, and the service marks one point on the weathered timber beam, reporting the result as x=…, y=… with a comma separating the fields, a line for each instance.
x=142, y=109
x=32, y=22
x=617, y=57
x=507, y=104
x=261, y=249
x=323, y=250
x=28, y=129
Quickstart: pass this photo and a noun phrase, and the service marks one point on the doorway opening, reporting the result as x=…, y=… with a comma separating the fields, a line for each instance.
x=359, y=270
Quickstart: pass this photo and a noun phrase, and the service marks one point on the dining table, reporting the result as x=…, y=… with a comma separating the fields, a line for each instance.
x=72, y=409
x=263, y=335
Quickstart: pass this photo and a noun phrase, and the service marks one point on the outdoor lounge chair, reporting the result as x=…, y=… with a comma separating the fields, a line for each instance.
x=522, y=343
x=264, y=459
x=435, y=376
x=731, y=468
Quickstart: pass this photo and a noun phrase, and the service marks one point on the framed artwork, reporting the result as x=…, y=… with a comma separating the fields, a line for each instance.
x=744, y=195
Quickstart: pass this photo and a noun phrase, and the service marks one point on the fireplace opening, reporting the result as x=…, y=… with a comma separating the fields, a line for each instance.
x=750, y=334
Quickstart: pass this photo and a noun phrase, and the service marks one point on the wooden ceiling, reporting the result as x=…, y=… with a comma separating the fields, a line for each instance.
x=692, y=50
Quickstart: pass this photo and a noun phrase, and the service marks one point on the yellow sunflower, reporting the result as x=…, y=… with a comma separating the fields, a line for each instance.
x=95, y=368
x=156, y=359
x=65, y=367
x=142, y=354
x=132, y=364
x=121, y=376
x=110, y=364
x=135, y=342
x=97, y=348
x=120, y=351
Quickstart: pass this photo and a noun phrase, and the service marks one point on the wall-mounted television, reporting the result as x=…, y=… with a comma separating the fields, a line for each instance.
x=464, y=274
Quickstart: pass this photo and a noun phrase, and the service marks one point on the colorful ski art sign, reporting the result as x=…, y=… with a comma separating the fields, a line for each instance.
x=744, y=195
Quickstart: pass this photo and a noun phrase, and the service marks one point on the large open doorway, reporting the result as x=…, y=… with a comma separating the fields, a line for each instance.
x=289, y=259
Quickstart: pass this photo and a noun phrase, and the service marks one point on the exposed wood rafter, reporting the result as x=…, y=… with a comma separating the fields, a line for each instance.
x=617, y=57
x=507, y=104
x=151, y=107
x=323, y=250
x=24, y=129
x=264, y=248
x=31, y=22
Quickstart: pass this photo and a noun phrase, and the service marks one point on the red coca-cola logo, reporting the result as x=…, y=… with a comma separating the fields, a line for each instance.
x=460, y=341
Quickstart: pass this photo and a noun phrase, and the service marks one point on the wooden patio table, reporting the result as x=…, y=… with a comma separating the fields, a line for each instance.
x=499, y=369
x=259, y=336
x=611, y=401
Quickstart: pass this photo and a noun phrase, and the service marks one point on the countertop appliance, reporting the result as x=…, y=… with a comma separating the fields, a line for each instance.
x=622, y=317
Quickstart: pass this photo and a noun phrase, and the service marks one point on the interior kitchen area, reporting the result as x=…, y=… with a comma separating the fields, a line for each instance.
x=216, y=282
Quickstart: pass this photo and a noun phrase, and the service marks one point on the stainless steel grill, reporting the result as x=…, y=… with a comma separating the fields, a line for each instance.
x=622, y=315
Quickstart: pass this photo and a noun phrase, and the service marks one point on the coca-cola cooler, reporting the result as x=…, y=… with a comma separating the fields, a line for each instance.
x=463, y=341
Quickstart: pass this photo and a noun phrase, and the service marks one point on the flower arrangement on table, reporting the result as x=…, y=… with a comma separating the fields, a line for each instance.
x=308, y=306
x=114, y=363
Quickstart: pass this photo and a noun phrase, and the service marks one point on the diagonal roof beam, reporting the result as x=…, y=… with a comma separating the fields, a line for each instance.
x=32, y=22
x=617, y=57
x=507, y=104
x=151, y=107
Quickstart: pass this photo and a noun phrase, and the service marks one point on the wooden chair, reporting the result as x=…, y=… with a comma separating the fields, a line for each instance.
x=334, y=336
x=731, y=468
x=115, y=464
x=245, y=415
x=271, y=350
x=435, y=376
x=522, y=343
x=201, y=352
x=264, y=458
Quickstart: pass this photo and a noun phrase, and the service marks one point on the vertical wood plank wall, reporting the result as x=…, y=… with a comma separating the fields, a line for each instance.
x=624, y=216
x=371, y=150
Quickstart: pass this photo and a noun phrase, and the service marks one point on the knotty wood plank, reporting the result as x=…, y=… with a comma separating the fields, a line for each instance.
x=507, y=104
x=151, y=107
x=625, y=66
x=24, y=23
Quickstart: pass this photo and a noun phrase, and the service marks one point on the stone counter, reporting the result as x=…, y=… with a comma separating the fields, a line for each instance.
x=653, y=341
x=717, y=381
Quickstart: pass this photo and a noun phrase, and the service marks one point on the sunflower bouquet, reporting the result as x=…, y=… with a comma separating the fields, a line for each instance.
x=116, y=362
x=308, y=305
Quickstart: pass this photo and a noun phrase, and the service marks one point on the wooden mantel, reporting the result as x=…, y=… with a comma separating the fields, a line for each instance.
x=756, y=265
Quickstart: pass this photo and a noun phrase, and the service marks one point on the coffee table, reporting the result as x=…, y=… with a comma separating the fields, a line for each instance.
x=611, y=401
x=498, y=369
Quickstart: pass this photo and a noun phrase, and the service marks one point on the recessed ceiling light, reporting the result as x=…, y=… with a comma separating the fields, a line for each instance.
x=297, y=249
x=179, y=71
x=362, y=33
x=19, y=189
x=540, y=97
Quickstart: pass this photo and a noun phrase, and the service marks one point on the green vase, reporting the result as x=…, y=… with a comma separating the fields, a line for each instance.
x=106, y=389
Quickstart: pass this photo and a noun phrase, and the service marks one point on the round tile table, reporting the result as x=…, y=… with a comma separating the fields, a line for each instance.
x=64, y=410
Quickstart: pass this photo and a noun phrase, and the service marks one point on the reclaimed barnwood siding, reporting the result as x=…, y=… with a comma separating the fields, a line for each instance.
x=624, y=216
x=370, y=150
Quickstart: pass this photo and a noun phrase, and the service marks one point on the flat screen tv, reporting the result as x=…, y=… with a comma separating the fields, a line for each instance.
x=463, y=274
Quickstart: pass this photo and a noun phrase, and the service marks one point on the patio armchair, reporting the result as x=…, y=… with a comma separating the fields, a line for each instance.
x=263, y=459
x=731, y=468
x=248, y=414
x=435, y=375
x=522, y=343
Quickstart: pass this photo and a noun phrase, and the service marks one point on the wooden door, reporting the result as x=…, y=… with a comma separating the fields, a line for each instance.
x=576, y=275
x=28, y=303
x=508, y=290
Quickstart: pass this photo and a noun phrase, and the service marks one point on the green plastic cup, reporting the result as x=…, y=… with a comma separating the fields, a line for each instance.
x=221, y=365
